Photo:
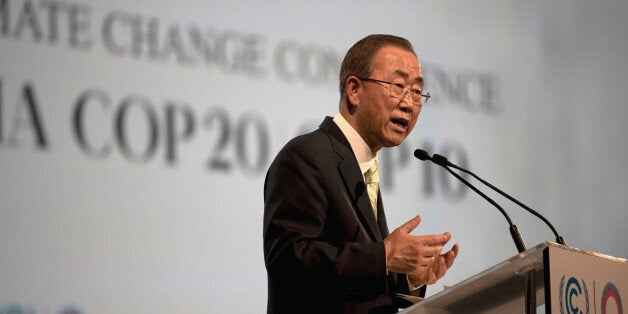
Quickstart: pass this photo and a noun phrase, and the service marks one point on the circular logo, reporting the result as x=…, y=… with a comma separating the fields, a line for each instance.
x=574, y=296
x=611, y=293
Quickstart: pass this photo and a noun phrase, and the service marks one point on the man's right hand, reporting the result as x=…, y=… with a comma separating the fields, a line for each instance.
x=406, y=253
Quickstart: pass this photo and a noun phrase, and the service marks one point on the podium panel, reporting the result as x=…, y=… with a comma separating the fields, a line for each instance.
x=564, y=279
x=584, y=282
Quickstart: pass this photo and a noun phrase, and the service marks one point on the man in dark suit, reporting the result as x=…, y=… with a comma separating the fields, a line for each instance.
x=326, y=243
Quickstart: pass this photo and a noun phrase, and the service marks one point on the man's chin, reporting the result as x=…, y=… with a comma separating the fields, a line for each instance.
x=395, y=141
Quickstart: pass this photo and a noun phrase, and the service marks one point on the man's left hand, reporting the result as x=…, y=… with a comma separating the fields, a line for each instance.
x=436, y=270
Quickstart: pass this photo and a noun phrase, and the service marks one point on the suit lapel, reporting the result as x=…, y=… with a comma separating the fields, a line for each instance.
x=354, y=182
x=381, y=216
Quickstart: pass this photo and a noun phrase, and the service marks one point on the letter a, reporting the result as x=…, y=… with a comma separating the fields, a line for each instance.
x=28, y=102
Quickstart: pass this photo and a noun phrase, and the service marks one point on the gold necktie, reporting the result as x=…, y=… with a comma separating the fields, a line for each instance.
x=371, y=177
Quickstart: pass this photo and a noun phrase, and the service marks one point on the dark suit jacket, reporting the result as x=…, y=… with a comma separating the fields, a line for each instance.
x=322, y=244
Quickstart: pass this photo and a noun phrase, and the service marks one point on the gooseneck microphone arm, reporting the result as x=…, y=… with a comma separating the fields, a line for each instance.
x=441, y=159
x=514, y=231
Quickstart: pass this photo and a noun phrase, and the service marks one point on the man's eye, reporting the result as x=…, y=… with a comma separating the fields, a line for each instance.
x=400, y=85
x=416, y=91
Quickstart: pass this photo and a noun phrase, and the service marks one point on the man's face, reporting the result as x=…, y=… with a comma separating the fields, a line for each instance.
x=385, y=120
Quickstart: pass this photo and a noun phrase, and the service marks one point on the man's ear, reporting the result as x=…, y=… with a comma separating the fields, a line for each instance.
x=352, y=88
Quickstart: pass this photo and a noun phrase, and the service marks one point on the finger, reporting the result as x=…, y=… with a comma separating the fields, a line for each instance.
x=453, y=252
x=442, y=268
x=432, y=277
x=411, y=224
x=451, y=255
x=431, y=251
x=435, y=239
x=455, y=249
x=425, y=261
x=449, y=260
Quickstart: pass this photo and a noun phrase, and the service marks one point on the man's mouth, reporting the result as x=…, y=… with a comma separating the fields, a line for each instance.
x=400, y=122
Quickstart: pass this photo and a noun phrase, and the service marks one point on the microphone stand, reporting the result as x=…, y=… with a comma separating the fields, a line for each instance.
x=514, y=231
x=530, y=274
x=442, y=159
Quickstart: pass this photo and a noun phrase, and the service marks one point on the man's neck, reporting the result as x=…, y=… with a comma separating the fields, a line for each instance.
x=363, y=153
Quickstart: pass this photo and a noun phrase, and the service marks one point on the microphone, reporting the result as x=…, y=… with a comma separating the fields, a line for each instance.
x=421, y=154
x=514, y=231
x=442, y=160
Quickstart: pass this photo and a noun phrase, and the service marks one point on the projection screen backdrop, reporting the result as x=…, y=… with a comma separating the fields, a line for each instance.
x=135, y=136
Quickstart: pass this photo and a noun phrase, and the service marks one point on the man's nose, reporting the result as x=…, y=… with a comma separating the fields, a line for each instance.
x=405, y=103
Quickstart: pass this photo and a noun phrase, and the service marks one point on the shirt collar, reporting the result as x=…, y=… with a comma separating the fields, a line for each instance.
x=361, y=150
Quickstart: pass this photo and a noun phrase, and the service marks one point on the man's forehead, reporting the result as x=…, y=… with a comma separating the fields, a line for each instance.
x=393, y=58
x=396, y=61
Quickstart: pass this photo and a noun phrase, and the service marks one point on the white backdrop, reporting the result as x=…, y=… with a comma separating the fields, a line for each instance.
x=134, y=137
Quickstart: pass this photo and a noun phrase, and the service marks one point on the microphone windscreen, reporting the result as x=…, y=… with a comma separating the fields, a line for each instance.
x=440, y=160
x=421, y=154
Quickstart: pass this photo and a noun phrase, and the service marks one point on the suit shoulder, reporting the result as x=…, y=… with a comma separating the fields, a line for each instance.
x=314, y=149
x=311, y=141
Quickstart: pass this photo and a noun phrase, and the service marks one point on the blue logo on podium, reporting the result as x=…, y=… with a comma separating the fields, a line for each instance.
x=574, y=296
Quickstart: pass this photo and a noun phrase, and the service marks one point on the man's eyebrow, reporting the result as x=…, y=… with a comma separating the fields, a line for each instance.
x=418, y=79
x=402, y=74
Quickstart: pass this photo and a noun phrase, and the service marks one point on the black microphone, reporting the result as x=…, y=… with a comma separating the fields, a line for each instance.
x=421, y=154
x=514, y=231
x=444, y=160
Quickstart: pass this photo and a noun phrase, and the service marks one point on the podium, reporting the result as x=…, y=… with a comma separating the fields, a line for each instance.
x=564, y=279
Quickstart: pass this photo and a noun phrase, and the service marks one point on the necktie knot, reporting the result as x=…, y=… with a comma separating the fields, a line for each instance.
x=372, y=174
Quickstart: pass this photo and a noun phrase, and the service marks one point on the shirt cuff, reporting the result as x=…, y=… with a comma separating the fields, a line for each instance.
x=411, y=287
